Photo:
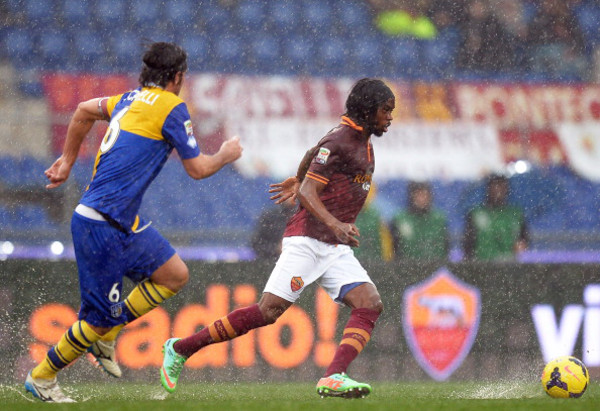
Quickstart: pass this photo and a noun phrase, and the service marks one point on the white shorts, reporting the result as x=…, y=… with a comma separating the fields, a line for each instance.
x=305, y=260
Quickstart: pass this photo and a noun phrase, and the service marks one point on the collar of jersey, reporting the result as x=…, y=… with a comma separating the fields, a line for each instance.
x=347, y=121
x=152, y=84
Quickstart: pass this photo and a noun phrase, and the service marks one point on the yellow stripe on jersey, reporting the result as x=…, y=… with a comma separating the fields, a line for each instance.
x=317, y=177
x=136, y=223
x=144, y=116
x=147, y=112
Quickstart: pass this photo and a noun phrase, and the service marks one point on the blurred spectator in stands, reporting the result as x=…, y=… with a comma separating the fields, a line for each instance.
x=556, y=42
x=485, y=44
x=447, y=14
x=512, y=17
x=268, y=232
x=420, y=231
x=404, y=18
x=495, y=230
x=375, y=238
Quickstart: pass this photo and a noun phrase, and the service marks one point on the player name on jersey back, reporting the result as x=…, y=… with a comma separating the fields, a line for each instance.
x=145, y=96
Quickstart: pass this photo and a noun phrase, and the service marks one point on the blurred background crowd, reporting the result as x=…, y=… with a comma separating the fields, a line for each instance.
x=524, y=40
x=545, y=42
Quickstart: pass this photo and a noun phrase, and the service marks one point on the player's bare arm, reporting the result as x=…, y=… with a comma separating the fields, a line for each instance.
x=86, y=114
x=308, y=194
x=205, y=165
x=289, y=187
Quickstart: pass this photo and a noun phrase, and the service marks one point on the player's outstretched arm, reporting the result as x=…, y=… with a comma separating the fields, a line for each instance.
x=285, y=190
x=205, y=165
x=289, y=187
x=82, y=121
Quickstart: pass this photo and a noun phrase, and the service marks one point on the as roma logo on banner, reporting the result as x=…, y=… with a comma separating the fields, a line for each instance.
x=441, y=318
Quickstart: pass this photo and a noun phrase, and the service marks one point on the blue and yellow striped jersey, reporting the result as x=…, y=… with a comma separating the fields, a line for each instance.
x=145, y=125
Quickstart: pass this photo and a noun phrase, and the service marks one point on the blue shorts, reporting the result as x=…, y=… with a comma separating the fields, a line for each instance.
x=104, y=256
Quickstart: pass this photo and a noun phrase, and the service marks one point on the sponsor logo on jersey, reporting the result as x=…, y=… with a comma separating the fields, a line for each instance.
x=323, y=155
x=441, y=318
x=188, y=127
x=297, y=283
x=190, y=132
x=362, y=179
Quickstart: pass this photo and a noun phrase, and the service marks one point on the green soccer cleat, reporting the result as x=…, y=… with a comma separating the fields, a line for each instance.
x=340, y=385
x=172, y=365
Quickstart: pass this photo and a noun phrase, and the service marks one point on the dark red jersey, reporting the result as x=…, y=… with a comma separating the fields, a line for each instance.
x=345, y=163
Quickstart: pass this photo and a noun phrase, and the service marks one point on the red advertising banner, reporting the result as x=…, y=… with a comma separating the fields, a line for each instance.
x=65, y=91
x=526, y=120
x=526, y=106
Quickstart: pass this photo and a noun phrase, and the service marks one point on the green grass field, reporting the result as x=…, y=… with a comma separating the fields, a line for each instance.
x=422, y=396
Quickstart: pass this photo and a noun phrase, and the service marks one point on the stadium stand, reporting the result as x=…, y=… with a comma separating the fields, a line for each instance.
x=341, y=23
x=306, y=37
x=560, y=206
x=263, y=56
x=282, y=17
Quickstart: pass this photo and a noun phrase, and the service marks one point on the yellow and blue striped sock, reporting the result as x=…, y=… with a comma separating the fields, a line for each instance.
x=112, y=334
x=146, y=296
x=71, y=346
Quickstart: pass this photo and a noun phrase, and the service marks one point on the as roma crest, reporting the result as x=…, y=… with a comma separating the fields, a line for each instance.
x=441, y=318
x=297, y=283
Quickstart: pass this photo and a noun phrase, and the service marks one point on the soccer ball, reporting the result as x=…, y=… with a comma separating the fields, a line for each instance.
x=565, y=377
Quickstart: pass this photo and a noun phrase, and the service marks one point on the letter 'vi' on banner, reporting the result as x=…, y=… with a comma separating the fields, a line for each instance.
x=440, y=321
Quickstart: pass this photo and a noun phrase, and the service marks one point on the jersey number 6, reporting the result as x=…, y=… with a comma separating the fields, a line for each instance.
x=112, y=133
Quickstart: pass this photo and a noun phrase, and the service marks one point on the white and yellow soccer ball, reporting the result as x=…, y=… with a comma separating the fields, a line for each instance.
x=565, y=377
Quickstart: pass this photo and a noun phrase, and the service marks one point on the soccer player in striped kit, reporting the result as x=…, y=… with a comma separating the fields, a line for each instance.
x=332, y=184
x=111, y=240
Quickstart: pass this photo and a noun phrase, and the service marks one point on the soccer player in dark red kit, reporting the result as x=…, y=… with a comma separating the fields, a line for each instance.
x=332, y=184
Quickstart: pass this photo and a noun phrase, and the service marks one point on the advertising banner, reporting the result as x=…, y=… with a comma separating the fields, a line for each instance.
x=414, y=151
x=440, y=130
x=441, y=319
x=582, y=146
x=459, y=322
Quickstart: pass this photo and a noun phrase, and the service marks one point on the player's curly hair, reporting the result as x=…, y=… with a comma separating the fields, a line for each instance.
x=161, y=62
x=364, y=99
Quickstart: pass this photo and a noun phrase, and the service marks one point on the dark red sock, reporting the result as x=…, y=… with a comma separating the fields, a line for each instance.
x=236, y=323
x=356, y=335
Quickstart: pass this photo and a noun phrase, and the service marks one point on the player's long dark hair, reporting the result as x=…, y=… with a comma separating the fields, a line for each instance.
x=161, y=62
x=364, y=99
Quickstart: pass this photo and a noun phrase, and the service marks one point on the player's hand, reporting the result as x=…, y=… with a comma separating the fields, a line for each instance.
x=231, y=149
x=346, y=233
x=58, y=173
x=285, y=190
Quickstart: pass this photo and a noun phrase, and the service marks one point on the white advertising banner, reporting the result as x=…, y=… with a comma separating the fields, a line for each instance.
x=423, y=151
x=414, y=151
x=581, y=143
x=279, y=118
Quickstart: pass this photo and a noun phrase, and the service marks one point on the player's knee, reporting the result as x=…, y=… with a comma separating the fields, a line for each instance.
x=374, y=303
x=175, y=280
x=181, y=278
x=378, y=306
